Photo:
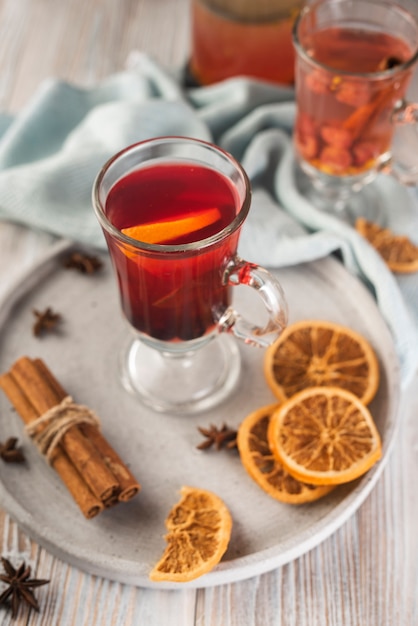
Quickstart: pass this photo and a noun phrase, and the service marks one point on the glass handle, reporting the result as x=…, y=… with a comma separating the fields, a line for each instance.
x=239, y=272
x=405, y=119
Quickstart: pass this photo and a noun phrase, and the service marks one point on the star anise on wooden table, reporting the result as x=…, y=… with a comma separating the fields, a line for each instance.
x=84, y=263
x=45, y=321
x=19, y=586
x=9, y=451
x=223, y=437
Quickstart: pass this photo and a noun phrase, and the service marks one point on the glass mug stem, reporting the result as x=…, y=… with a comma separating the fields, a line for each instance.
x=171, y=210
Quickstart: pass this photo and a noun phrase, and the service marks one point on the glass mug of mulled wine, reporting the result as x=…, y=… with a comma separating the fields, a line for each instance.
x=171, y=210
x=354, y=62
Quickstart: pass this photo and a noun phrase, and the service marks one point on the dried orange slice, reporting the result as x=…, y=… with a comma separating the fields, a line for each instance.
x=324, y=436
x=199, y=529
x=398, y=251
x=315, y=353
x=263, y=466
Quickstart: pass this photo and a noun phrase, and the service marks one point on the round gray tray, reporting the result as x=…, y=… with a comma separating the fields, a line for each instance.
x=124, y=542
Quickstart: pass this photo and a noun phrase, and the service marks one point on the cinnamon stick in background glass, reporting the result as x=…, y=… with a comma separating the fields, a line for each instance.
x=91, y=470
x=242, y=37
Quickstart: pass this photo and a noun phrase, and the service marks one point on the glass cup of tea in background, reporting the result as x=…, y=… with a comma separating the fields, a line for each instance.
x=242, y=37
x=171, y=210
x=354, y=62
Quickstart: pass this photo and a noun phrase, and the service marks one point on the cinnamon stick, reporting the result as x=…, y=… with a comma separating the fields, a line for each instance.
x=78, y=448
x=89, y=505
x=365, y=115
x=92, y=471
x=128, y=485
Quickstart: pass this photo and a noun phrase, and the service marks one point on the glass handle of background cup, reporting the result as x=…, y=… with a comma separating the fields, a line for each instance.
x=399, y=166
x=239, y=272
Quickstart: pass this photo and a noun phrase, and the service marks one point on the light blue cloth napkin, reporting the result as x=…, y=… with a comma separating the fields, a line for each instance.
x=51, y=152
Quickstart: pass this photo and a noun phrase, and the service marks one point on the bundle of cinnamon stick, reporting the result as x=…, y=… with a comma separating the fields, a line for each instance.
x=92, y=471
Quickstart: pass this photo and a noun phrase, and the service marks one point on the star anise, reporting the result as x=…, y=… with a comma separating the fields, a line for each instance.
x=82, y=262
x=19, y=587
x=9, y=451
x=223, y=437
x=45, y=320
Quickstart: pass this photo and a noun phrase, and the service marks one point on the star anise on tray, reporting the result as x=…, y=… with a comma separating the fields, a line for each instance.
x=9, y=451
x=19, y=586
x=45, y=321
x=84, y=263
x=223, y=437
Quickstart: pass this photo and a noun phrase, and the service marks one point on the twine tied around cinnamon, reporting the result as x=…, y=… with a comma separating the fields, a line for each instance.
x=56, y=422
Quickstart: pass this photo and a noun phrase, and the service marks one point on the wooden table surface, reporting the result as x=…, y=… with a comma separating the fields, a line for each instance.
x=366, y=573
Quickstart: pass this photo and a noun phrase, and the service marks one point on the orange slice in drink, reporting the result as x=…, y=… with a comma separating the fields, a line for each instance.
x=398, y=251
x=263, y=466
x=199, y=530
x=314, y=353
x=324, y=436
x=168, y=230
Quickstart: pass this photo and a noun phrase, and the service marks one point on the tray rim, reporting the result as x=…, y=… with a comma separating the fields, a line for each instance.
x=233, y=570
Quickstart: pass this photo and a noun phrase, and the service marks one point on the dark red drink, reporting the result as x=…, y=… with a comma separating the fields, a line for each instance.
x=170, y=293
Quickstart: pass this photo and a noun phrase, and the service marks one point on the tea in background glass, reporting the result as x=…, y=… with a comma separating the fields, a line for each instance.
x=354, y=65
x=243, y=37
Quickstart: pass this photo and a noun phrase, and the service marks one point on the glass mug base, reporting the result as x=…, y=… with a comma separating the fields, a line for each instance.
x=184, y=382
x=347, y=200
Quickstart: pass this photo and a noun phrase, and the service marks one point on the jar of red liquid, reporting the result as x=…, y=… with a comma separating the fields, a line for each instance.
x=243, y=37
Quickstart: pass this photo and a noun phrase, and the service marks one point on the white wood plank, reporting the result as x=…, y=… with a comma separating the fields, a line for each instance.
x=366, y=574
x=83, y=41
x=79, y=599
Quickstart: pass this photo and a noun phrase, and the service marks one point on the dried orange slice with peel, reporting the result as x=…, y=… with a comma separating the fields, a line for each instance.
x=324, y=436
x=264, y=468
x=199, y=529
x=314, y=353
x=167, y=230
x=398, y=251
